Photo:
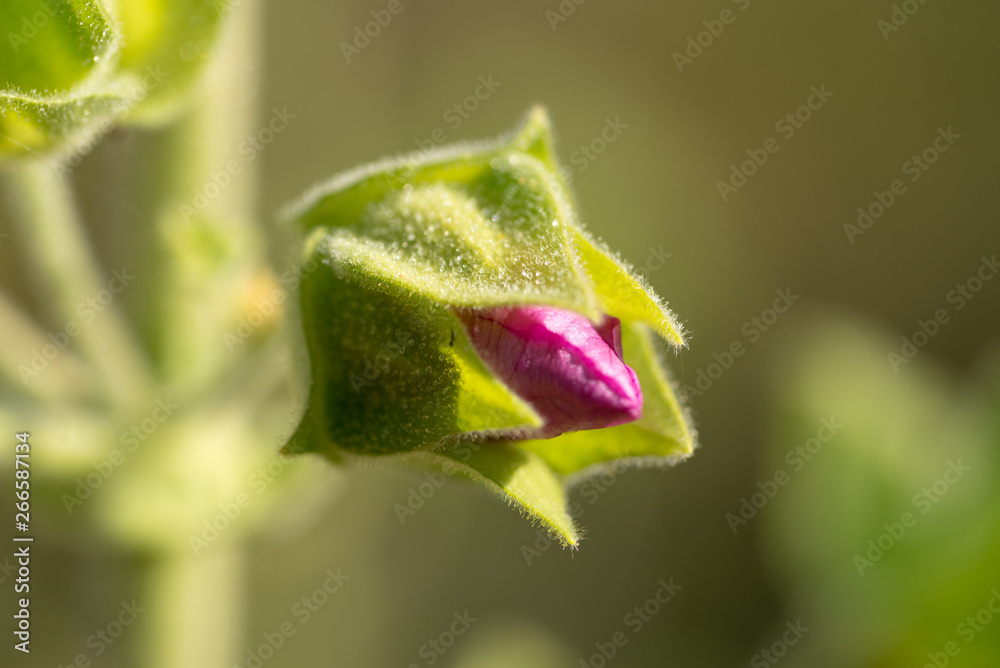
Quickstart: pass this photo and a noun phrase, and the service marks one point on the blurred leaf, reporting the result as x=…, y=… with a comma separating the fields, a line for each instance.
x=174, y=38
x=884, y=532
x=76, y=66
x=522, y=644
x=56, y=74
x=54, y=44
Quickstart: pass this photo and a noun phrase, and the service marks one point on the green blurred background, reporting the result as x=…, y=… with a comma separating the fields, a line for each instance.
x=652, y=191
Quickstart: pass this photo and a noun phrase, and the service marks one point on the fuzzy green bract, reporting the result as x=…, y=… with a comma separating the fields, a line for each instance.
x=71, y=68
x=392, y=247
x=54, y=72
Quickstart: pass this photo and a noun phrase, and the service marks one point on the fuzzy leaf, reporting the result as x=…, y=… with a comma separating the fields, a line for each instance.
x=490, y=228
x=392, y=371
x=74, y=67
x=51, y=46
x=55, y=74
x=623, y=294
x=519, y=477
x=33, y=124
x=173, y=38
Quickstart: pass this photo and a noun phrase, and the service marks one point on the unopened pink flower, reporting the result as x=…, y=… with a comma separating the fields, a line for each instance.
x=571, y=372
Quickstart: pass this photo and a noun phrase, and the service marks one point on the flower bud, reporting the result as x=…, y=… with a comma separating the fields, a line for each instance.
x=458, y=317
x=572, y=374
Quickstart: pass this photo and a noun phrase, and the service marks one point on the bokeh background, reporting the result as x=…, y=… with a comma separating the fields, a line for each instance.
x=651, y=190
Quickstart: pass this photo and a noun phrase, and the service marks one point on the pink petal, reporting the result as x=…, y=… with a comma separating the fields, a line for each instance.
x=571, y=372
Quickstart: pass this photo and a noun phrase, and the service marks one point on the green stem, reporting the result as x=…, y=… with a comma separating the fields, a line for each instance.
x=199, y=267
x=67, y=377
x=195, y=609
x=69, y=277
x=207, y=247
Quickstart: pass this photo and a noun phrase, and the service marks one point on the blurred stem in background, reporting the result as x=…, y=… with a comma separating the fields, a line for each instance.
x=196, y=603
x=196, y=609
x=68, y=275
x=191, y=286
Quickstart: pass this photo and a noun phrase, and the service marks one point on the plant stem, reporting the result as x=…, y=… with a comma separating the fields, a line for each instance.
x=68, y=377
x=68, y=275
x=200, y=266
x=208, y=247
x=195, y=609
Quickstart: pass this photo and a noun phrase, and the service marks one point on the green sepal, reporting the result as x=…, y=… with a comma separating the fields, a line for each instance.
x=33, y=124
x=625, y=295
x=483, y=228
x=56, y=73
x=394, y=247
x=174, y=38
x=75, y=67
x=53, y=46
x=392, y=371
x=519, y=477
x=662, y=436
